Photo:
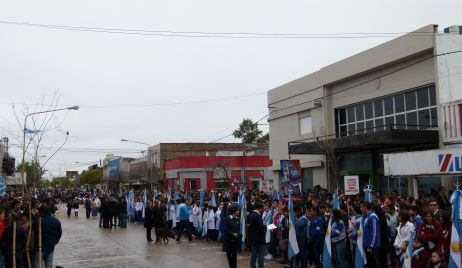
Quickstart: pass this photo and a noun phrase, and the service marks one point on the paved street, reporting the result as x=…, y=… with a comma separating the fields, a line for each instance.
x=85, y=245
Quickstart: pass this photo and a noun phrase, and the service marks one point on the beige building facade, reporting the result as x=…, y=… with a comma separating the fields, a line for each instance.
x=384, y=99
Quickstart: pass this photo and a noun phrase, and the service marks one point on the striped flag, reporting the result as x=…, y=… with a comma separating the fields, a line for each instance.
x=213, y=201
x=368, y=194
x=204, y=224
x=292, y=245
x=408, y=254
x=175, y=209
x=327, y=251
x=200, y=226
x=360, y=256
x=145, y=199
x=455, y=253
x=2, y=188
x=242, y=204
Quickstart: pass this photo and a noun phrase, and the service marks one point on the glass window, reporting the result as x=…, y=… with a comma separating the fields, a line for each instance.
x=368, y=110
x=432, y=96
x=379, y=124
x=351, y=129
x=359, y=112
x=360, y=128
x=351, y=114
x=424, y=118
x=411, y=120
x=399, y=103
x=378, y=108
x=389, y=122
x=305, y=125
x=410, y=101
x=343, y=131
x=401, y=121
x=422, y=98
x=369, y=126
x=342, y=116
x=433, y=117
x=388, y=105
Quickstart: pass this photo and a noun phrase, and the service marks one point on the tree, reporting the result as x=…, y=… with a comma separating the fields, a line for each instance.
x=249, y=132
x=61, y=182
x=33, y=173
x=91, y=177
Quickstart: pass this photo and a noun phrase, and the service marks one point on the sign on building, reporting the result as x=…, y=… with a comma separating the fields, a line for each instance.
x=264, y=186
x=351, y=185
x=291, y=172
x=431, y=162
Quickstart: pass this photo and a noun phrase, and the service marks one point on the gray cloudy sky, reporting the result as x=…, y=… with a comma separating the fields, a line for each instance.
x=111, y=76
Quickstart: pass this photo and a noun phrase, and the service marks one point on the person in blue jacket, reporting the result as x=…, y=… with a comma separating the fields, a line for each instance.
x=371, y=237
x=184, y=221
x=301, y=231
x=315, y=236
x=51, y=234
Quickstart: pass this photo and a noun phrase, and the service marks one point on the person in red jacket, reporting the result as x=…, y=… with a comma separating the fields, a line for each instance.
x=430, y=231
x=420, y=256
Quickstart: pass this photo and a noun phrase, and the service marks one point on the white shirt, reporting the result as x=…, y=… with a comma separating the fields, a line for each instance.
x=218, y=217
x=171, y=212
x=139, y=206
x=211, y=220
x=403, y=234
x=98, y=202
x=194, y=215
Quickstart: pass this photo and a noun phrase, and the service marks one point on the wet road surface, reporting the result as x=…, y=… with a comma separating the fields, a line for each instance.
x=84, y=244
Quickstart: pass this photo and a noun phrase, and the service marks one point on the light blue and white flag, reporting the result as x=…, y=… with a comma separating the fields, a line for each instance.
x=145, y=199
x=243, y=205
x=2, y=188
x=455, y=247
x=175, y=209
x=292, y=245
x=327, y=251
x=360, y=256
x=213, y=201
x=185, y=196
x=367, y=194
x=408, y=254
x=204, y=224
x=200, y=224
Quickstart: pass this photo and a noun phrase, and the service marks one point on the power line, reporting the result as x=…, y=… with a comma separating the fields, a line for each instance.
x=202, y=34
x=364, y=82
x=147, y=105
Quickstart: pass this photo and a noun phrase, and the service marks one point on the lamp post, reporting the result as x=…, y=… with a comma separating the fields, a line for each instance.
x=147, y=168
x=24, y=141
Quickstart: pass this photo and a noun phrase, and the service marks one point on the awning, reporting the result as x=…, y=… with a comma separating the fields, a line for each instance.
x=386, y=139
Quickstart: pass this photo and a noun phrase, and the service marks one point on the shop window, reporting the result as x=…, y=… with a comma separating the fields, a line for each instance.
x=410, y=101
x=305, y=125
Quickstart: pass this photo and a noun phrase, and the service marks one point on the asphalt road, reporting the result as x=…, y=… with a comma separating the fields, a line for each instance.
x=84, y=244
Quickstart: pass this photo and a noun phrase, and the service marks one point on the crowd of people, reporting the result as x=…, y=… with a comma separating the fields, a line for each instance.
x=386, y=225
x=28, y=229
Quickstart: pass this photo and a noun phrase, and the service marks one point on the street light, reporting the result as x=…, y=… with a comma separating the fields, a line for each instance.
x=147, y=168
x=24, y=140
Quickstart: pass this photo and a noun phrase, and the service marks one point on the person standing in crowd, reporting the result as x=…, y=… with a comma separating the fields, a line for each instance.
x=392, y=215
x=138, y=211
x=122, y=212
x=273, y=244
x=371, y=238
x=7, y=242
x=446, y=229
x=87, y=207
x=338, y=235
x=211, y=221
x=283, y=235
x=171, y=215
x=231, y=226
x=75, y=208
x=184, y=223
x=256, y=237
x=113, y=213
x=384, y=236
x=430, y=231
x=420, y=255
x=355, y=232
x=301, y=232
x=315, y=236
x=148, y=221
x=69, y=208
x=414, y=213
x=94, y=209
x=51, y=234
x=157, y=218
x=403, y=235
x=194, y=212
x=435, y=210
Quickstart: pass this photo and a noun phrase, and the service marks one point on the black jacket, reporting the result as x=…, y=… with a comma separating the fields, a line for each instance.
x=231, y=227
x=51, y=233
x=257, y=230
x=7, y=240
x=148, y=222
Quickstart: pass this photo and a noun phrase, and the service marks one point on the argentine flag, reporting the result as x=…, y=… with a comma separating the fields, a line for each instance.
x=242, y=204
x=407, y=262
x=175, y=209
x=292, y=245
x=199, y=228
x=145, y=199
x=205, y=225
x=368, y=194
x=327, y=251
x=360, y=257
x=213, y=201
x=454, y=253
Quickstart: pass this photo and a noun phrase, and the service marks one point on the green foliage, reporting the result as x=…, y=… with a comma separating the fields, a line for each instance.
x=61, y=182
x=248, y=132
x=33, y=174
x=91, y=177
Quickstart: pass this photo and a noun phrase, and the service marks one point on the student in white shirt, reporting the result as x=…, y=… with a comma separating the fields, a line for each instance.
x=211, y=224
x=403, y=235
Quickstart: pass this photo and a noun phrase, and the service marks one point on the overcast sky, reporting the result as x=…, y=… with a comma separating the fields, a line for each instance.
x=117, y=78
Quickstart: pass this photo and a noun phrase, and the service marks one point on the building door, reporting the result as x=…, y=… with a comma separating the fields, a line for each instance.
x=193, y=184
